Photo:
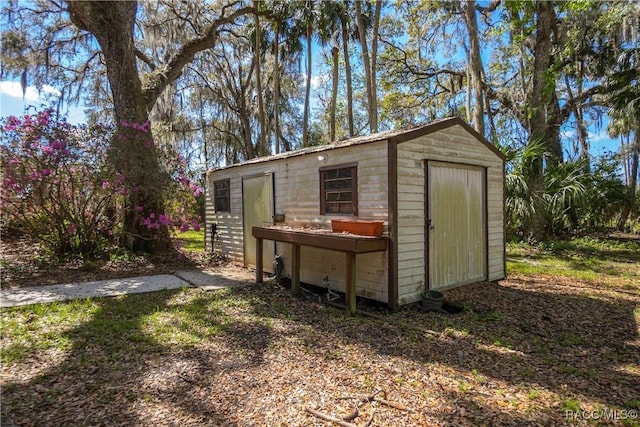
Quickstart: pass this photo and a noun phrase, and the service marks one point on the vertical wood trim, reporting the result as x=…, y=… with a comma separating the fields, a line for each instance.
x=427, y=223
x=392, y=194
x=485, y=220
x=244, y=236
x=504, y=221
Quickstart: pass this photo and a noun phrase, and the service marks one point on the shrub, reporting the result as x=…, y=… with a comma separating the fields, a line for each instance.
x=59, y=185
x=52, y=184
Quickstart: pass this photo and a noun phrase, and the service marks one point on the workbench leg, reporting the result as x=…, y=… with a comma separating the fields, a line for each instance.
x=258, y=260
x=350, y=296
x=295, y=282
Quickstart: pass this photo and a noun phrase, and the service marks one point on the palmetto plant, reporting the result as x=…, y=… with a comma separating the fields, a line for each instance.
x=562, y=199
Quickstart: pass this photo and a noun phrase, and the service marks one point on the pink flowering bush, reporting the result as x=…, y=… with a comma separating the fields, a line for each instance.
x=59, y=185
x=52, y=175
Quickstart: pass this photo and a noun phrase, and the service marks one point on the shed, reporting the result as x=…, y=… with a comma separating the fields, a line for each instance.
x=438, y=188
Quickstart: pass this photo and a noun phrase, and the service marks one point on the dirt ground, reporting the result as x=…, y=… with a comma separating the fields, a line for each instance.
x=22, y=264
x=541, y=350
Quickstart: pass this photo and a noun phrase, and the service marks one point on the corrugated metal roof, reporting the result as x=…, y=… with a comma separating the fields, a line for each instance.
x=398, y=135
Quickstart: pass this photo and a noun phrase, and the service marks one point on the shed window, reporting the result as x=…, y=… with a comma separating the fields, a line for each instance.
x=222, y=195
x=339, y=190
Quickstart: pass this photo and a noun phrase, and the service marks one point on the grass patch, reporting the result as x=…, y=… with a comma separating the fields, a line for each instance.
x=583, y=258
x=131, y=324
x=191, y=240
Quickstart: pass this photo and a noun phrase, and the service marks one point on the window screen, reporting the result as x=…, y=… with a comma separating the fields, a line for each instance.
x=339, y=190
x=222, y=196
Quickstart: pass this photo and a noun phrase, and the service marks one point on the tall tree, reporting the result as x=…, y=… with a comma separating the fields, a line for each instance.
x=369, y=60
x=263, y=149
x=329, y=26
x=113, y=26
x=345, y=22
x=475, y=68
x=308, y=15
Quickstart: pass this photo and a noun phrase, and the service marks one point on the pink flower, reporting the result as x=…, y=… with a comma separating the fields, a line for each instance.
x=57, y=145
x=72, y=229
x=163, y=219
x=184, y=227
x=46, y=172
x=138, y=208
x=12, y=123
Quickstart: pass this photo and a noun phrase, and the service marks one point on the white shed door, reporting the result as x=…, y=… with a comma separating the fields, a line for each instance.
x=456, y=224
x=257, y=208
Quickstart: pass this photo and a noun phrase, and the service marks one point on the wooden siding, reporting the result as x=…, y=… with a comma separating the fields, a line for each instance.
x=297, y=188
x=452, y=144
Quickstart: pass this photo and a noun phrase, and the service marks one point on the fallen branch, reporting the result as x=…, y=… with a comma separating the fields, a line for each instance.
x=329, y=418
x=352, y=416
x=384, y=401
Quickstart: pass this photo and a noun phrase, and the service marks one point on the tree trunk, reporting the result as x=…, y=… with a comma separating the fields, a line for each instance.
x=475, y=64
x=540, y=99
x=262, y=149
x=366, y=62
x=347, y=73
x=374, y=66
x=630, y=207
x=334, y=95
x=276, y=87
x=132, y=152
x=307, y=93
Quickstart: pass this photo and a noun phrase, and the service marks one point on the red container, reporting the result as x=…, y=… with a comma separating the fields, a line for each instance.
x=354, y=226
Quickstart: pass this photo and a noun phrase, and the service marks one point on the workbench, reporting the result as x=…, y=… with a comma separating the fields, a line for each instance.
x=349, y=244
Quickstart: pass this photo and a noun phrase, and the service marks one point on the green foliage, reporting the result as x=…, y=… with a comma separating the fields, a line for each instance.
x=573, y=197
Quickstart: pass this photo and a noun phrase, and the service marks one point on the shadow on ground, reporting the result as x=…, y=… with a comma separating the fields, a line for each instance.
x=196, y=358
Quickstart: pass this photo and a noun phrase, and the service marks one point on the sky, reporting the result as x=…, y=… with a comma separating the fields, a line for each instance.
x=13, y=102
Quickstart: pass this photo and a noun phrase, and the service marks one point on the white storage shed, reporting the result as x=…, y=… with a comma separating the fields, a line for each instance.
x=438, y=188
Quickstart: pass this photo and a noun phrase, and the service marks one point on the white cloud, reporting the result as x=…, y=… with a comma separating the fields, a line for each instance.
x=316, y=81
x=14, y=90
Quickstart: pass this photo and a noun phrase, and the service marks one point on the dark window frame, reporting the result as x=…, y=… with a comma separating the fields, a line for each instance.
x=222, y=202
x=324, y=203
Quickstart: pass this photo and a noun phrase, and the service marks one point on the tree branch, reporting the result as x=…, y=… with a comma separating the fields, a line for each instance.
x=186, y=53
x=144, y=58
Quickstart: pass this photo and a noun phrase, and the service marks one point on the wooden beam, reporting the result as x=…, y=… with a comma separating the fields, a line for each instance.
x=324, y=240
x=350, y=296
x=295, y=273
x=258, y=260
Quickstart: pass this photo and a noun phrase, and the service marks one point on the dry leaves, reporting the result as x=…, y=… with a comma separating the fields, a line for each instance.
x=522, y=353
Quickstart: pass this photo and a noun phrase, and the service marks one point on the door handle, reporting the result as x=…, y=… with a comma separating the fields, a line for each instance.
x=430, y=225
